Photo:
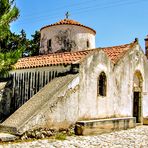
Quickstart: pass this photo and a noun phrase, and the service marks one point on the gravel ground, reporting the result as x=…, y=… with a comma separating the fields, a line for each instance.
x=132, y=138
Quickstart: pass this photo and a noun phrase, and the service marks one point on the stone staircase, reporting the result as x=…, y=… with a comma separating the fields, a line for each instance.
x=20, y=117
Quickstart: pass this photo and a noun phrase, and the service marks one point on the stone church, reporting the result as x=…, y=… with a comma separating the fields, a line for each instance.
x=72, y=81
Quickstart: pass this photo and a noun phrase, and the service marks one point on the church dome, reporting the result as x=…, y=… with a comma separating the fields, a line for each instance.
x=65, y=36
x=68, y=22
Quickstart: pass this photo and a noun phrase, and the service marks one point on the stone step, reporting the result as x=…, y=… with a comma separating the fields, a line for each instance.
x=91, y=127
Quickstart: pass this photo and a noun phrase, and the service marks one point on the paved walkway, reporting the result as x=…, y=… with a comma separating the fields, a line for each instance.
x=132, y=138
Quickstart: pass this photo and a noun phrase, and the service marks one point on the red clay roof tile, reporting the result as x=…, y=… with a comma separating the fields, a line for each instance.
x=68, y=22
x=51, y=59
x=114, y=53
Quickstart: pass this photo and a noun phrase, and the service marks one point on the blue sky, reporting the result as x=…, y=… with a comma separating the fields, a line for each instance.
x=116, y=22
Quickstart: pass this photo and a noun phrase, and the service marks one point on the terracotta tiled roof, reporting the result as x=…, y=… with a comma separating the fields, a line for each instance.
x=114, y=53
x=68, y=22
x=51, y=59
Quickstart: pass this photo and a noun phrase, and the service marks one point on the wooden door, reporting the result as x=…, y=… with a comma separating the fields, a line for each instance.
x=136, y=105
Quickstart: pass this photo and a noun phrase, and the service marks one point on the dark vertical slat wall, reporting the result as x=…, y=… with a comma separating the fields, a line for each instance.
x=23, y=88
x=44, y=77
x=27, y=84
x=38, y=82
x=33, y=83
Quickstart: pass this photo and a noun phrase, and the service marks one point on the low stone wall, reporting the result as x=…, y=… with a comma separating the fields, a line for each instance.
x=105, y=125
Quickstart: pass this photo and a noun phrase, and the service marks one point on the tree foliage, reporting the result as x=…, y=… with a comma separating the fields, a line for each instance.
x=13, y=46
x=8, y=13
x=16, y=46
x=7, y=60
x=13, y=42
x=34, y=44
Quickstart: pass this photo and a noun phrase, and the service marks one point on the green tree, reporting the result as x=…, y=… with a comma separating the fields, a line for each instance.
x=7, y=60
x=11, y=42
x=8, y=13
x=35, y=42
x=33, y=45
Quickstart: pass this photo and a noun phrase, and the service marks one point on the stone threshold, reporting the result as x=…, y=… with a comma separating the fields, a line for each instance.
x=91, y=127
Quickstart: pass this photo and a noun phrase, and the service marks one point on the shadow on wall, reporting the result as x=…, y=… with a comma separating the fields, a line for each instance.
x=6, y=87
x=65, y=41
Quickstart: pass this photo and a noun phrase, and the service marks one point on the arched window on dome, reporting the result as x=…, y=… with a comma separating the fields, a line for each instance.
x=49, y=45
x=87, y=44
x=102, y=84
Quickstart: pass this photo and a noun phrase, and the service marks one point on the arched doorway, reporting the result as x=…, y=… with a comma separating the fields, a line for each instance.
x=137, y=97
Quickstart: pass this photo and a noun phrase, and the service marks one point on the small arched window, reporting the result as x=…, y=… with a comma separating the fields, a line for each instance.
x=87, y=44
x=49, y=45
x=102, y=84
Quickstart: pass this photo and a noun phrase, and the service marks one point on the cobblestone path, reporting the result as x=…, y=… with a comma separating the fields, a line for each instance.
x=132, y=138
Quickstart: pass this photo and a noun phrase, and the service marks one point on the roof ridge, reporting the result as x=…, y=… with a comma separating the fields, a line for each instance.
x=122, y=45
x=131, y=43
x=117, y=52
x=59, y=53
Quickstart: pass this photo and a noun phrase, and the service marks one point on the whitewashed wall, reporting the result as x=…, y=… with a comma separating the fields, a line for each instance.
x=119, y=99
x=91, y=105
x=124, y=75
